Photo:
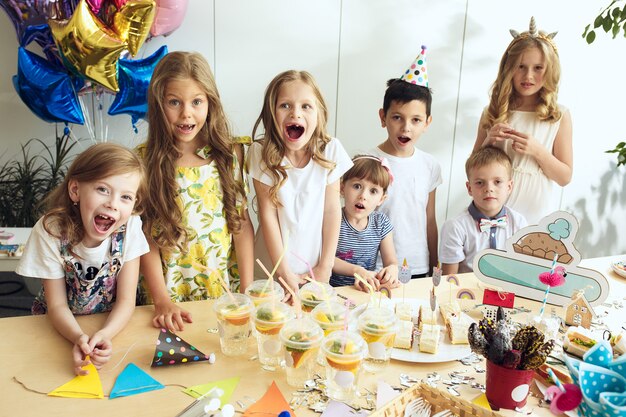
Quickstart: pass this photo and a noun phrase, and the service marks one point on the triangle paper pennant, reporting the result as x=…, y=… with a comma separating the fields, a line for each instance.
x=270, y=405
x=133, y=380
x=226, y=385
x=172, y=350
x=82, y=386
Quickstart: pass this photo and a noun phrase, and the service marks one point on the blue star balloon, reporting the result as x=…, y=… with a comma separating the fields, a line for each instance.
x=48, y=92
x=134, y=78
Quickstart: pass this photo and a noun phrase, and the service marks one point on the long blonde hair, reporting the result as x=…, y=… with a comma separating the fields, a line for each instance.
x=62, y=219
x=503, y=95
x=163, y=217
x=272, y=139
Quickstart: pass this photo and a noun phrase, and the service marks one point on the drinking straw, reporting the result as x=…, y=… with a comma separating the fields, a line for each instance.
x=545, y=297
x=270, y=281
x=319, y=284
x=555, y=379
x=304, y=261
x=296, y=300
x=364, y=282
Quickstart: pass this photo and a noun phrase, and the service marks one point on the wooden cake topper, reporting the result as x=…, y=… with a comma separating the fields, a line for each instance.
x=531, y=251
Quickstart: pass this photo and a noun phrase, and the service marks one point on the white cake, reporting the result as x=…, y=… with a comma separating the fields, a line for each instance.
x=429, y=338
x=404, y=336
x=449, y=311
x=404, y=311
x=426, y=316
x=457, y=328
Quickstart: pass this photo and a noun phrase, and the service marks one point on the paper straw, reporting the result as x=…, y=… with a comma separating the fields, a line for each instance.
x=319, y=284
x=367, y=284
x=555, y=379
x=545, y=299
x=296, y=300
x=556, y=256
x=304, y=261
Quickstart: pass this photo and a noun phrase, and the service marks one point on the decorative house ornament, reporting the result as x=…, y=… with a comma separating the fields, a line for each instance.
x=579, y=312
x=531, y=251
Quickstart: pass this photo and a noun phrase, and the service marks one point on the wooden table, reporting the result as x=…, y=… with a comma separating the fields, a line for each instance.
x=33, y=352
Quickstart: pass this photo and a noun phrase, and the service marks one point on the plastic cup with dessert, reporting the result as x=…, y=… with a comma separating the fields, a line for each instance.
x=233, y=313
x=377, y=326
x=261, y=291
x=301, y=339
x=269, y=318
x=312, y=294
x=344, y=352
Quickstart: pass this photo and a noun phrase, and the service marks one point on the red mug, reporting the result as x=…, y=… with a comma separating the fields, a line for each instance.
x=507, y=388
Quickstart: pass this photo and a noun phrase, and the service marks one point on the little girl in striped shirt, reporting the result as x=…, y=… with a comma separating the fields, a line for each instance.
x=364, y=232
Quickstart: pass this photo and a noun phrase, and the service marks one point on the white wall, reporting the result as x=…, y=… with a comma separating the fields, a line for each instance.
x=353, y=46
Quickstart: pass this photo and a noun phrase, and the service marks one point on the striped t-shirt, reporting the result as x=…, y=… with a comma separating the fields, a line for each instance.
x=360, y=247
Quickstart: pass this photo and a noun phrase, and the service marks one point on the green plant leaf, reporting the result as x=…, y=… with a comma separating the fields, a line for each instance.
x=598, y=22
x=591, y=36
x=607, y=23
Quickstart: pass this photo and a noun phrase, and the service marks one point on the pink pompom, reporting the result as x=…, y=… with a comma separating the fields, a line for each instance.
x=555, y=278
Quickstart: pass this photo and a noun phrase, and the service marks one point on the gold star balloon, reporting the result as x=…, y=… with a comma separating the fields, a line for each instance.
x=87, y=47
x=133, y=21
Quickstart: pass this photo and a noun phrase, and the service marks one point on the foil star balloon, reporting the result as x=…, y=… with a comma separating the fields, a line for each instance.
x=87, y=47
x=48, y=92
x=134, y=78
x=133, y=21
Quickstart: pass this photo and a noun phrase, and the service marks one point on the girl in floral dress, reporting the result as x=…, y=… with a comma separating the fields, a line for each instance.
x=196, y=214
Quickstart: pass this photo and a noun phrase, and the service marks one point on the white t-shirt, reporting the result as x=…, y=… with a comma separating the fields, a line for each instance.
x=302, y=198
x=413, y=180
x=42, y=254
x=461, y=238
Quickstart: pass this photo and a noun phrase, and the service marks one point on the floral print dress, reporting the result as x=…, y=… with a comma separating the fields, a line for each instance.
x=195, y=275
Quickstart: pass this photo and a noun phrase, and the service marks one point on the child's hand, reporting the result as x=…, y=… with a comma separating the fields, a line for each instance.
x=389, y=276
x=369, y=276
x=322, y=273
x=497, y=133
x=294, y=281
x=101, y=349
x=79, y=351
x=525, y=144
x=170, y=316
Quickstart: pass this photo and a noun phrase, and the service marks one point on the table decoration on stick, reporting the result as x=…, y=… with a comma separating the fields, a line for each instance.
x=530, y=251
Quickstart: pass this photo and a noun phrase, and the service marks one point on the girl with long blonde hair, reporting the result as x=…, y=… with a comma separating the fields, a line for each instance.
x=196, y=214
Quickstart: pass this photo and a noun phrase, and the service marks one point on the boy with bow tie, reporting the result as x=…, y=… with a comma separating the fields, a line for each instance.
x=487, y=222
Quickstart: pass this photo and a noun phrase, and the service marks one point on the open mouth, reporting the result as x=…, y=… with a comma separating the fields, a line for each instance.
x=359, y=206
x=185, y=128
x=404, y=139
x=103, y=223
x=294, y=131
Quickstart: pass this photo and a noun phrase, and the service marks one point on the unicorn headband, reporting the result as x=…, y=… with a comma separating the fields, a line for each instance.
x=532, y=32
x=383, y=162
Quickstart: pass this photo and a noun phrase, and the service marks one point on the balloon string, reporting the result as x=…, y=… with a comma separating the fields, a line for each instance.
x=87, y=119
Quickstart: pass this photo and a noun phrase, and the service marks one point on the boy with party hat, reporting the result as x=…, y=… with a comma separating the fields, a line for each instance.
x=486, y=222
x=411, y=199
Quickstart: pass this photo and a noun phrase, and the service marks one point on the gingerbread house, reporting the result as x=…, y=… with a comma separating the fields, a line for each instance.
x=579, y=312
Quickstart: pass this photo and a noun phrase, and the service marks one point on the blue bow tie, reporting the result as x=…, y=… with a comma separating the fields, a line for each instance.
x=487, y=224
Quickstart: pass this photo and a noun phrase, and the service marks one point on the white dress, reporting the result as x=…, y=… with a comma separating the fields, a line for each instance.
x=532, y=194
x=302, y=198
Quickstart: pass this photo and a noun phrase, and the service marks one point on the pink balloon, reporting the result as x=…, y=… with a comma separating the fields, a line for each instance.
x=95, y=5
x=169, y=16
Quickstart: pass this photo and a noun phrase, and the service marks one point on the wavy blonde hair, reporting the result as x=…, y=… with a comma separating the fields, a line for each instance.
x=272, y=139
x=163, y=216
x=62, y=219
x=503, y=95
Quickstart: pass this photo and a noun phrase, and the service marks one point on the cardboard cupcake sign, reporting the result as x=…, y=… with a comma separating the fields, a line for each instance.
x=172, y=350
x=533, y=250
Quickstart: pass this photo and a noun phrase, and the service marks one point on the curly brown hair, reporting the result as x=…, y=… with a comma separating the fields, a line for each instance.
x=62, y=219
x=163, y=218
x=503, y=95
x=272, y=139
